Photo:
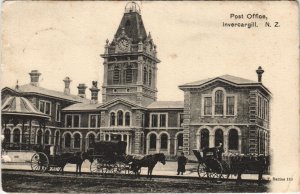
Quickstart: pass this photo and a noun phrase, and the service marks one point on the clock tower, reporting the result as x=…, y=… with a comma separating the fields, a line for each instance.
x=130, y=62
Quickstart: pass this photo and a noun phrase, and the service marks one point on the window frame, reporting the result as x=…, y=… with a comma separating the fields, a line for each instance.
x=57, y=111
x=97, y=120
x=45, y=102
x=72, y=115
x=158, y=119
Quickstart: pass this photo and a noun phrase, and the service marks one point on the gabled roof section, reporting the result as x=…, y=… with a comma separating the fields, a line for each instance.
x=86, y=106
x=166, y=105
x=229, y=79
x=122, y=101
x=30, y=89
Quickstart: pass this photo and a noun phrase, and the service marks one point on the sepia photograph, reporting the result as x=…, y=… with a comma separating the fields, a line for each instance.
x=149, y=96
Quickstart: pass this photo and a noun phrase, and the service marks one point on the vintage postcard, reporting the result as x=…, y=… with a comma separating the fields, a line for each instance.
x=150, y=96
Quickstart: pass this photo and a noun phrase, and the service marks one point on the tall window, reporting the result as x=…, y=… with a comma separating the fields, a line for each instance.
x=127, y=119
x=219, y=137
x=56, y=138
x=129, y=74
x=72, y=120
x=162, y=120
x=58, y=112
x=219, y=99
x=233, y=143
x=45, y=107
x=204, y=139
x=91, y=140
x=230, y=105
x=67, y=140
x=154, y=120
x=152, y=141
x=150, y=77
x=7, y=135
x=181, y=119
x=112, y=119
x=47, y=137
x=94, y=120
x=145, y=76
x=116, y=75
x=16, y=136
x=77, y=140
x=39, y=137
x=179, y=140
x=164, y=141
x=120, y=118
x=207, y=106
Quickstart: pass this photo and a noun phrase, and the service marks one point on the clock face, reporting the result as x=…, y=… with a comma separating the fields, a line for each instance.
x=123, y=44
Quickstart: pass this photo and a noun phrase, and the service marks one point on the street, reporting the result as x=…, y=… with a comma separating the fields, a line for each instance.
x=20, y=181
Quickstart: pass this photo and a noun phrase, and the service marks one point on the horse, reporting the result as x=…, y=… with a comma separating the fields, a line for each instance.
x=72, y=158
x=147, y=161
x=259, y=164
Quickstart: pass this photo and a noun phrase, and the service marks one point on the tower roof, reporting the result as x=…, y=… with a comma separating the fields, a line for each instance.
x=132, y=24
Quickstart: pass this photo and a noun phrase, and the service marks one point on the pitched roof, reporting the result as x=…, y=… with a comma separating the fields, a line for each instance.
x=230, y=78
x=82, y=106
x=28, y=88
x=14, y=105
x=166, y=105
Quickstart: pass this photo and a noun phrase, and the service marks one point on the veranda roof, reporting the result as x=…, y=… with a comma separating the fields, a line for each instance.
x=20, y=106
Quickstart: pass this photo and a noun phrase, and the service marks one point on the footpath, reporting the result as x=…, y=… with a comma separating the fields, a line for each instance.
x=167, y=170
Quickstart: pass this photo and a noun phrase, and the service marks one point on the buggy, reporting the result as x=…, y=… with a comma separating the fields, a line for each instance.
x=110, y=158
x=211, y=166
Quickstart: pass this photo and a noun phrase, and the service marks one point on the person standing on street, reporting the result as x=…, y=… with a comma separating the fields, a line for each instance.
x=181, y=160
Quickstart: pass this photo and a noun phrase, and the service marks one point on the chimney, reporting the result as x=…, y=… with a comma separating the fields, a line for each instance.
x=34, y=77
x=259, y=72
x=94, y=92
x=67, y=81
x=81, y=90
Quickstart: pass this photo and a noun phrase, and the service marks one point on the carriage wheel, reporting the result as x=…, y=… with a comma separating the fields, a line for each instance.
x=109, y=168
x=202, y=171
x=39, y=162
x=216, y=172
x=95, y=167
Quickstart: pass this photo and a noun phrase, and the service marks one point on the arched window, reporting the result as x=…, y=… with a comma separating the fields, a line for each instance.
x=91, y=140
x=77, y=140
x=145, y=76
x=116, y=76
x=112, y=119
x=164, y=141
x=67, y=140
x=219, y=137
x=120, y=118
x=56, y=138
x=129, y=74
x=47, y=137
x=16, y=136
x=127, y=119
x=7, y=135
x=204, y=138
x=39, y=137
x=233, y=140
x=219, y=100
x=150, y=77
x=152, y=141
x=180, y=140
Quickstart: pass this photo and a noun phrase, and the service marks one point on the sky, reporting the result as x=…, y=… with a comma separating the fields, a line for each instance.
x=66, y=39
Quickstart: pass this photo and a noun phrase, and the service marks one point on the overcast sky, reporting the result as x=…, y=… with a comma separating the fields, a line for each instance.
x=66, y=38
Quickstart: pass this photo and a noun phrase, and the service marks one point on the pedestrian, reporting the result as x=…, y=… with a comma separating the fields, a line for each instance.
x=181, y=160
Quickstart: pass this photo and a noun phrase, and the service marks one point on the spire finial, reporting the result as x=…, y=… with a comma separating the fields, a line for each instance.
x=17, y=85
x=132, y=7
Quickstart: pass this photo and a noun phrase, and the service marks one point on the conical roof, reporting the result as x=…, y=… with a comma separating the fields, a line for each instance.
x=20, y=106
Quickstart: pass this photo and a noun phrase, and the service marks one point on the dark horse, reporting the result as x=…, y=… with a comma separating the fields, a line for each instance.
x=147, y=161
x=259, y=164
x=72, y=158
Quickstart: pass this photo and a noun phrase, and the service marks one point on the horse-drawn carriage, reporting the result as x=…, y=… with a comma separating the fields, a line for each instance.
x=211, y=164
x=109, y=158
x=213, y=167
x=48, y=159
